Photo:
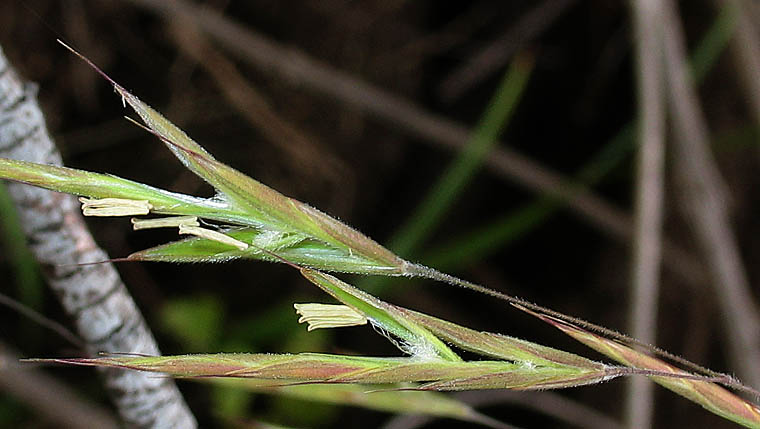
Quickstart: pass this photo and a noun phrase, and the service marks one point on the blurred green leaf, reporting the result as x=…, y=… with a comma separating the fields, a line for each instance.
x=230, y=402
x=195, y=320
x=380, y=398
x=475, y=244
x=26, y=270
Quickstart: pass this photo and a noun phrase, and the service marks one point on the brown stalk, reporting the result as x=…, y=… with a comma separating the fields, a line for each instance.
x=704, y=199
x=54, y=401
x=745, y=47
x=649, y=200
x=496, y=54
x=303, y=150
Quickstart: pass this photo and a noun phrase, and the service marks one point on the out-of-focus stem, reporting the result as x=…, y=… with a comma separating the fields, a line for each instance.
x=50, y=398
x=703, y=197
x=745, y=46
x=647, y=242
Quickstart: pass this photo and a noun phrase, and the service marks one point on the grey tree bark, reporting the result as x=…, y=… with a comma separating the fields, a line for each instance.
x=94, y=296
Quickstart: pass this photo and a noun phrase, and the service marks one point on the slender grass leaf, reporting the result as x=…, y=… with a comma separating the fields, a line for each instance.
x=461, y=171
x=29, y=284
x=475, y=245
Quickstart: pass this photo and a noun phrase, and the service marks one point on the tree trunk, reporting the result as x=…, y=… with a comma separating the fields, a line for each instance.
x=94, y=296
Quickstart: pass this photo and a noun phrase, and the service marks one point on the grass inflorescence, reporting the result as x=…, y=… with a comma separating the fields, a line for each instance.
x=247, y=219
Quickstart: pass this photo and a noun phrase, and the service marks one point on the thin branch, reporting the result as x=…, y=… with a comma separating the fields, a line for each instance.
x=495, y=55
x=41, y=320
x=303, y=150
x=704, y=200
x=745, y=46
x=649, y=200
x=94, y=296
x=449, y=37
x=48, y=397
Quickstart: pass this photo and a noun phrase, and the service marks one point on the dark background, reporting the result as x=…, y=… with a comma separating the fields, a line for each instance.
x=372, y=173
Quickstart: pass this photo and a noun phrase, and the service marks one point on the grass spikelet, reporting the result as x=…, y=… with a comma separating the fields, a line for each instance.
x=709, y=395
x=257, y=222
x=437, y=375
x=497, y=345
x=264, y=205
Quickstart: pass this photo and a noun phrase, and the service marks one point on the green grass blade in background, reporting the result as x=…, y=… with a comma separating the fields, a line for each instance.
x=436, y=204
x=712, y=44
x=476, y=244
x=196, y=321
x=29, y=285
x=381, y=398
